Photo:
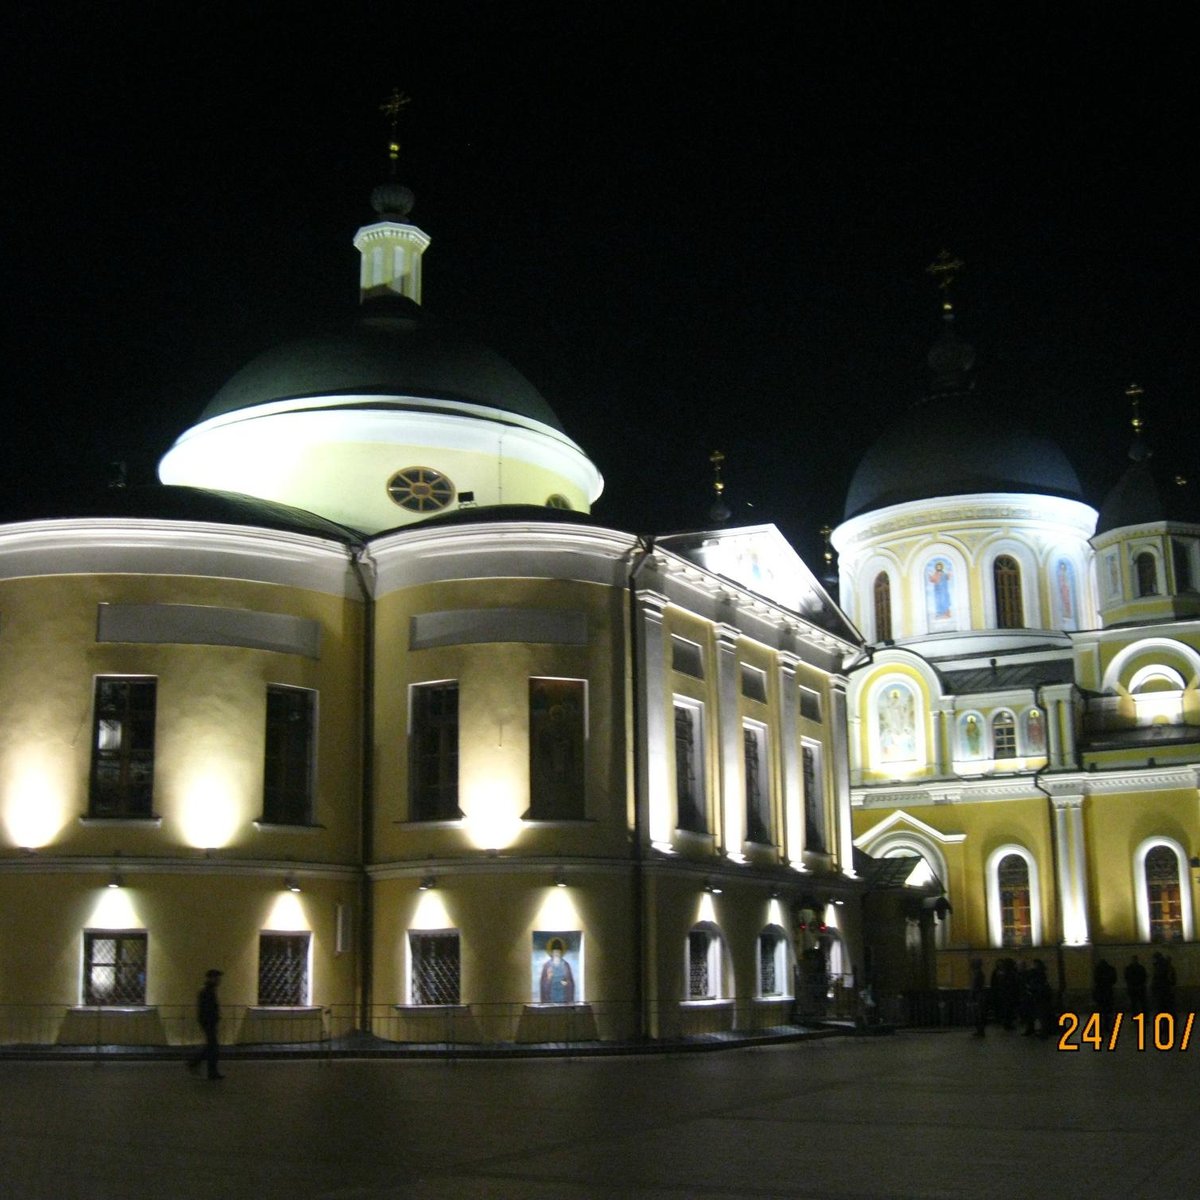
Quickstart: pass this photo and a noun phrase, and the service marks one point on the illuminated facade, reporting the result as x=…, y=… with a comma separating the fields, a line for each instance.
x=364, y=708
x=1025, y=717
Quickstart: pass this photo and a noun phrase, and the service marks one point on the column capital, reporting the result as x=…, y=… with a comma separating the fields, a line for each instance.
x=652, y=603
x=727, y=636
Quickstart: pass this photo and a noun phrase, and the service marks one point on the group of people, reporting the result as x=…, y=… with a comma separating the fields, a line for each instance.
x=1020, y=993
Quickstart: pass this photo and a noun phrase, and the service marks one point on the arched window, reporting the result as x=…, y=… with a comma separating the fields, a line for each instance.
x=1147, y=574
x=1006, y=574
x=773, y=963
x=704, y=963
x=882, y=591
x=1016, y=917
x=1004, y=736
x=1163, y=895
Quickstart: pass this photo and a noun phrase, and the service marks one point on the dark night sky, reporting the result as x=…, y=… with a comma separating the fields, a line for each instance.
x=707, y=226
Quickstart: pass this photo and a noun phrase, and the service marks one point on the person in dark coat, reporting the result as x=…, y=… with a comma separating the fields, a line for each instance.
x=979, y=997
x=208, y=1015
x=1162, y=984
x=1104, y=991
x=1135, y=985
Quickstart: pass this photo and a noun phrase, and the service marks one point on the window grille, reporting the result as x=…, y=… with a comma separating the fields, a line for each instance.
x=283, y=969
x=1009, y=608
x=435, y=968
x=1162, y=894
x=814, y=798
x=1016, y=926
x=1004, y=736
x=700, y=969
x=114, y=969
x=288, y=762
x=758, y=789
x=122, y=782
x=882, y=591
x=434, y=752
x=689, y=778
x=771, y=963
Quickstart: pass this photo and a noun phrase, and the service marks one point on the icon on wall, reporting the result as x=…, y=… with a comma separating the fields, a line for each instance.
x=557, y=968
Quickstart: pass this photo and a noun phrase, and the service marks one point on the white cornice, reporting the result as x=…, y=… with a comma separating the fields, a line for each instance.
x=126, y=546
x=103, y=865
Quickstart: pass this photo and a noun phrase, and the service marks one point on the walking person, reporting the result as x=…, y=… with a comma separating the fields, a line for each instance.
x=208, y=1015
x=1162, y=984
x=979, y=997
x=1135, y=986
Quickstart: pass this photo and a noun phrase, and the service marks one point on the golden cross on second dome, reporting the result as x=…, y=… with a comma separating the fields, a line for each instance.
x=391, y=108
x=945, y=269
x=1135, y=393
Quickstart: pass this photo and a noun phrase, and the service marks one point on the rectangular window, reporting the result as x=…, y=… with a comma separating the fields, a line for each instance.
x=435, y=975
x=772, y=963
x=433, y=752
x=114, y=969
x=814, y=797
x=754, y=684
x=283, y=969
x=1181, y=557
x=758, y=784
x=122, y=783
x=288, y=762
x=689, y=768
x=687, y=658
x=557, y=736
x=810, y=704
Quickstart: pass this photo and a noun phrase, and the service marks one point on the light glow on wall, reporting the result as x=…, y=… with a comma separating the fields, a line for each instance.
x=557, y=910
x=115, y=908
x=287, y=914
x=431, y=912
x=35, y=805
x=705, y=909
x=493, y=815
x=209, y=814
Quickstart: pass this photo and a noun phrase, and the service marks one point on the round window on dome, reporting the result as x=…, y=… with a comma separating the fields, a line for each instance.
x=557, y=501
x=420, y=489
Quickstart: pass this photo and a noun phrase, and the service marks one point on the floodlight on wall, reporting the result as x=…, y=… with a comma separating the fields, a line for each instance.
x=426, y=884
x=560, y=879
x=713, y=889
x=115, y=880
x=774, y=893
x=291, y=882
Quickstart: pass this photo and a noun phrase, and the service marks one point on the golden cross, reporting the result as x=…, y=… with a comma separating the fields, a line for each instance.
x=391, y=108
x=1134, y=392
x=717, y=458
x=944, y=270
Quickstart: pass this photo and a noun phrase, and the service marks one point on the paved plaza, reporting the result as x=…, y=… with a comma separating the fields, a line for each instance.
x=912, y=1115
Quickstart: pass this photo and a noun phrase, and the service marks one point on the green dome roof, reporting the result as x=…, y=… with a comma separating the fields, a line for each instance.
x=393, y=349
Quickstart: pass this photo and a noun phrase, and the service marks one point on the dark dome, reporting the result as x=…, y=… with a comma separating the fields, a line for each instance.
x=392, y=349
x=169, y=503
x=1149, y=492
x=949, y=447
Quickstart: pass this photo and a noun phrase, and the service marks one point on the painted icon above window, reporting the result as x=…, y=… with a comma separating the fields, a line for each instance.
x=420, y=489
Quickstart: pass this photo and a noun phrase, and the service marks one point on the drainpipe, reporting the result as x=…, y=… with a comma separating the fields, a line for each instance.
x=363, y=568
x=1059, y=958
x=643, y=548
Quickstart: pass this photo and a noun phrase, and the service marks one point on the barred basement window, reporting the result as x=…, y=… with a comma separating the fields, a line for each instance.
x=288, y=761
x=1016, y=925
x=433, y=753
x=704, y=964
x=283, y=969
x=114, y=969
x=1162, y=894
x=689, y=772
x=122, y=782
x=772, y=962
x=435, y=973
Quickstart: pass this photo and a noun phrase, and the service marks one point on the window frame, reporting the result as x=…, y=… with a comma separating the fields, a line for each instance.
x=815, y=810
x=1004, y=719
x=1007, y=591
x=90, y=936
x=305, y=981
x=542, y=812
x=698, y=803
x=284, y=811
x=995, y=916
x=881, y=606
x=419, y=811
x=713, y=959
x=763, y=813
x=1142, y=891
x=781, y=952
x=127, y=805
